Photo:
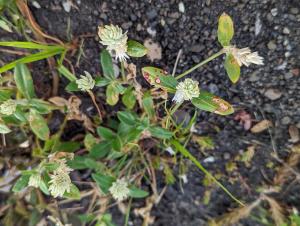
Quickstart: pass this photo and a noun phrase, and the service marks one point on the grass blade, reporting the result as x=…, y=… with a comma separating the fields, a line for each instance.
x=29, y=45
x=188, y=155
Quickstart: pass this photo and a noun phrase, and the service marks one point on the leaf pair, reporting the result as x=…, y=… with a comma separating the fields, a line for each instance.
x=225, y=34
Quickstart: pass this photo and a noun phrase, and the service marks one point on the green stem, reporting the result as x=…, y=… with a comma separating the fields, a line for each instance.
x=128, y=212
x=188, y=155
x=171, y=113
x=123, y=71
x=200, y=64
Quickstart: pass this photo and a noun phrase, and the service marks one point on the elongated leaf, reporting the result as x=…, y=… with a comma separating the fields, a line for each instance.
x=103, y=181
x=188, y=155
x=137, y=193
x=21, y=183
x=225, y=29
x=159, y=78
x=31, y=58
x=136, y=49
x=24, y=81
x=209, y=102
x=105, y=133
x=5, y=94
x=101, y=149
x=30, y=45
x=160, y=132
x=38, y=125
x=100, y=81
x=107, y=65
x=127, y=118
x=65, y=72
x=232, y=68
x=4, y=129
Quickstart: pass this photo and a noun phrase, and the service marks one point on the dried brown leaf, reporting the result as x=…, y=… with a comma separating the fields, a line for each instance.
x=261, y=126
x=294, y=133
x=154, y=50
x=235, y=216
x=276, y=210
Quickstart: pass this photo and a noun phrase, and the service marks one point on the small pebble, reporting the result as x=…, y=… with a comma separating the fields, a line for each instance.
x=273, y=94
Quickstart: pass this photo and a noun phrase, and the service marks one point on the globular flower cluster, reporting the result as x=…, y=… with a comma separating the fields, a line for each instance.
x=86, y=82
x=116, y=41
x=119, y=189
x=8, y=107
x=244, y=56
x=60, y=180
x=186, y=90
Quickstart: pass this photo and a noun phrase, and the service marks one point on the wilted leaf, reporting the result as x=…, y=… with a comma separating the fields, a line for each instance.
x=24, y=81
x=154, y=50
x=261, y=126
x=209, y=102
x=4, y=129
x=112, y=94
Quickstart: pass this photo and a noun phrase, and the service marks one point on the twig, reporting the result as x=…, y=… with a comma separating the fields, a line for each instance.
x=176, y=62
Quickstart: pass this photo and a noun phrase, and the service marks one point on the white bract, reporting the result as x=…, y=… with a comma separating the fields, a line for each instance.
x=115, y=40
x=186, y=90
x=8, y=107
x=244, y=56
x=86, y=82
x=119, y=189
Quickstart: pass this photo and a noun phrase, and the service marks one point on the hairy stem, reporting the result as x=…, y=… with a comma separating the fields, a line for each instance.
x=200, y=64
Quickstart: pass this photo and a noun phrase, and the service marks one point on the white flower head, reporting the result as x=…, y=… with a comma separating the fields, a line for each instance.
x=8, y=107
x=116, y=41
x=60, y=180
x=186, y=90
x=86, y=82
x=119, y=189
x=244, y=56
x=35, y=180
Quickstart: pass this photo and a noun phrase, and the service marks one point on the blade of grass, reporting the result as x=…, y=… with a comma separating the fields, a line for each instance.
x=30, y=45
x=188, y=155
x=31, y=58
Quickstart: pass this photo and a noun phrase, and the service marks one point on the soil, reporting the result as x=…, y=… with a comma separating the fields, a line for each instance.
x=267, y=92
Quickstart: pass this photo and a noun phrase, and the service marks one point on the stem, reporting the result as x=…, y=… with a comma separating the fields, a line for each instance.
x=123, y=71
x=95, y=103
x=188, y=155
x=128, y=212
x=171, y=113
x=200, y=64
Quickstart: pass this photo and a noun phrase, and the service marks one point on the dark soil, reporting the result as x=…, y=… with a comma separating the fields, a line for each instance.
x=194, y=31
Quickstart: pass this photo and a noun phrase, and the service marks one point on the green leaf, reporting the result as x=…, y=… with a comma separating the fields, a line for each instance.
x=159, y=132
x=103, y=181
x=5, y=26
x=232, y=68
x=225, y=30
x=32, y=58
x=73, y=194
x=107, y=65
x=41, y=106
x=4, y=129
x=43, y=187
x=24, y=81
x=148, y=104
x=129, y=98
x=72, y=87
x=100, y=81
x=105, y=133
x=5, y=94
x=100, y=150
x=30, y=45
x=65, y=72
x=38, y=125
x=127, y=117
x=137, y=193
x=209, y=102
x=112, y=94
x=116, y=144
x=136, y=49
x=89, y=141
x=159, y=78
x=21, y=183
x=68, y=146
